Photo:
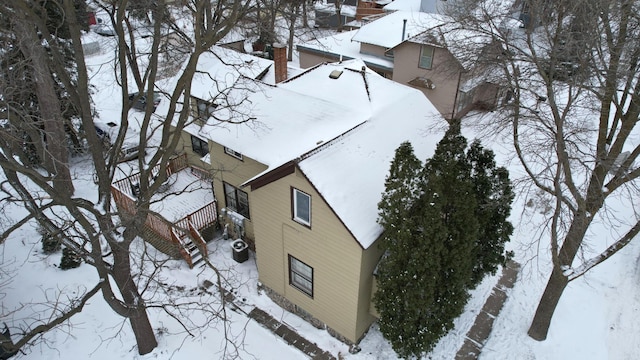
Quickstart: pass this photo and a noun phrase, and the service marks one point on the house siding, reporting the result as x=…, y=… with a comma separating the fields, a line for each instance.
x=444, y=73
x=370, y=49
x=326, y=246
x=226, y=168
x=309, y=59
x=370, y=258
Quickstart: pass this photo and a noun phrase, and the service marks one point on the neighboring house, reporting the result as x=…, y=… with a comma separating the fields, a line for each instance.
x=425, y=6
x=301, y=166
x=412, y=48
x=326, y=14
x=235, y=40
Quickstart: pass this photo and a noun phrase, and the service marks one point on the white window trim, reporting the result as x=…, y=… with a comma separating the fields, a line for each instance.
x=295, y=207
x=433, y=52
x=231, y=152
x=297, y=277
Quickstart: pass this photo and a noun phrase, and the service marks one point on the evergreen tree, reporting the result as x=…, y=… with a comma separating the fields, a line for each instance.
x=494, y=195
x=402, y=187
x=399, y=269
x=440, y=239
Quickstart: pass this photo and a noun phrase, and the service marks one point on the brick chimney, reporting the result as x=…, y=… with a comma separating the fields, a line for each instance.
x=280, y=61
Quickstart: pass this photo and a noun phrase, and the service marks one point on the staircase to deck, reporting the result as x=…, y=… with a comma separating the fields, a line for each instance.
x=193, y=247
x=194, y=253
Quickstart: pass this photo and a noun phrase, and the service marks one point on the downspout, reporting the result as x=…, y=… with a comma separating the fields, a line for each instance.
x=455, y=99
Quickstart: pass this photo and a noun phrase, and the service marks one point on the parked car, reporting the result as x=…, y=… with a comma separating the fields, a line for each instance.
x=108, y=131
x=103, y=28
x=140, y=101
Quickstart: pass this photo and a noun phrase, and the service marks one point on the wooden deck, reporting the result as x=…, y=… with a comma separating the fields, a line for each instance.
x=164, y=229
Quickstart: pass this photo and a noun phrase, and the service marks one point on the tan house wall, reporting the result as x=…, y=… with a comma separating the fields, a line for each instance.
x=308, y=59
x=370, y=259
x=444, y=73
x=372, y=49
x=341, y=289
x=224, y=167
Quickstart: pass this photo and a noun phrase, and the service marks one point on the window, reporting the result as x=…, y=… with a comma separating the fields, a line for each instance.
x=426, y=57
x=236, y=200
x=301, y=207
x=199, y=146
x=464, y=100
x=233, y=153
x=204, y=108
x=300, y=276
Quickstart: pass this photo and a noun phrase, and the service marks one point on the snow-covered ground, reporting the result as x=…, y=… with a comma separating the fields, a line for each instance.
x=598, y=316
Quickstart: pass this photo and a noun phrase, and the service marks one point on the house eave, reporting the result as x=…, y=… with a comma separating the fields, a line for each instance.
x=271, y=175
x=337, y=57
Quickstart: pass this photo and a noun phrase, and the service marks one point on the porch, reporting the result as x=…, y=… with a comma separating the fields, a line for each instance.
x=183, y=211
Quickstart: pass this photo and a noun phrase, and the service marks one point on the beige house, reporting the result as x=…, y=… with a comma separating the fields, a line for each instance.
x=301, y=166
x=415, y=49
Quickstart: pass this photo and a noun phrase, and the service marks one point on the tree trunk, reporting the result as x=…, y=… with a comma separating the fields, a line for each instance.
x=546, y=307
x=295, y=10
x=305, y=19
x=57, y=158
x=142, y=330
x=137, y=310
x=558, y=281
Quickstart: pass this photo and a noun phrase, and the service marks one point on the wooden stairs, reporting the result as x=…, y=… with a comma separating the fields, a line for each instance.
x=193, y=248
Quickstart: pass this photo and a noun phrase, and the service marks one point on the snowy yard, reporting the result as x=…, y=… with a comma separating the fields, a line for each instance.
x=598, y=316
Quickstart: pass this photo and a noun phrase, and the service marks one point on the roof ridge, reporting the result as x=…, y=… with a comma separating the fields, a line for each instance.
x=329, y=143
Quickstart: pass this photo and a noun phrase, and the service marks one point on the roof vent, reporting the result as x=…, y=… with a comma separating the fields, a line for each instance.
x=335, y=74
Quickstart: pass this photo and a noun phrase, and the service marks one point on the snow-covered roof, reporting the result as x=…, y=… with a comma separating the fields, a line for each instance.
x=387, y=31
x=219, y=68
x=345, y=10
x=286, y=122
x=350, y=173
x=403, y=5
x=234, y=35
x=341, y=131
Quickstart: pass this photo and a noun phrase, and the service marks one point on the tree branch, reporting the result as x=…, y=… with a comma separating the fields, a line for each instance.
x=50, y=325
x=574, y=273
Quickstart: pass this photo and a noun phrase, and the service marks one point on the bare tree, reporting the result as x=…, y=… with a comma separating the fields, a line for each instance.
x=571, y=74
x=93, y=229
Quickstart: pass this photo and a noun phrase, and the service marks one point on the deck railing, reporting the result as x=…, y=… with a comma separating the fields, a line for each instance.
x=175, y=165
x=186, y=228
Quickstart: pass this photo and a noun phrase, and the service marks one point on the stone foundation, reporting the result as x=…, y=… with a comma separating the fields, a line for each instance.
x=295, y=309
